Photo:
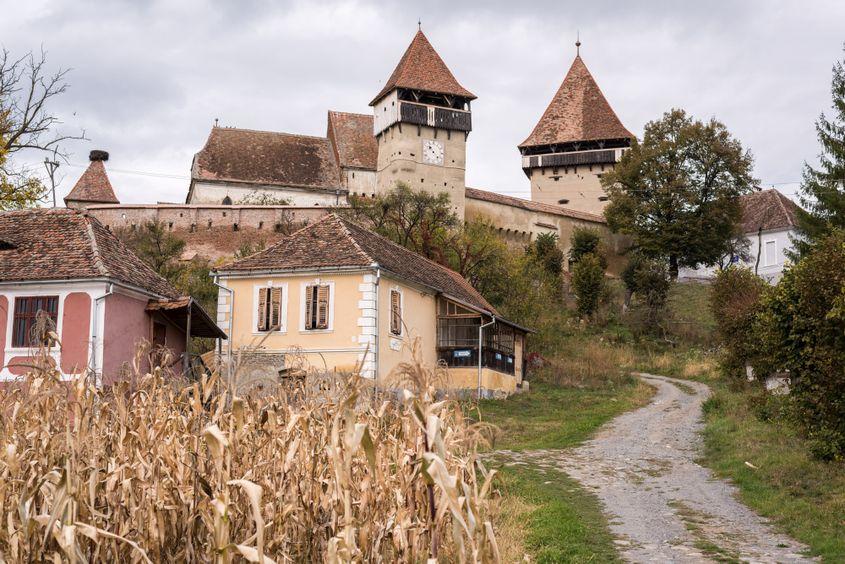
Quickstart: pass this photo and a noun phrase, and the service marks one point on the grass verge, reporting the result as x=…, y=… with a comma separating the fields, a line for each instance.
x=803, y=496
x=557, y=520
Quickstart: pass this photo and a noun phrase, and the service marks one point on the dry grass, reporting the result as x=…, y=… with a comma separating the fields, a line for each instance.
x=158, y=472
x=593, y=364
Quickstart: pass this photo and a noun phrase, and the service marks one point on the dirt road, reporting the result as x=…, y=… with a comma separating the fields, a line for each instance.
x=662, y=505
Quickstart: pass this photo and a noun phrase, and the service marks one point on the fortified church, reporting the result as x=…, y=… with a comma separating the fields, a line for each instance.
x=417, y=134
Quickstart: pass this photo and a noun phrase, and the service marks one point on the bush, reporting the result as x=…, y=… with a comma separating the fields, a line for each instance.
x=801, y=329
x=735, y=302
x=586, y=241
x=588, y=283
x=647, y=280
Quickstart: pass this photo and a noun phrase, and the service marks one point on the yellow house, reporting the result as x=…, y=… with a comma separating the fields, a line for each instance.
x=337, y=296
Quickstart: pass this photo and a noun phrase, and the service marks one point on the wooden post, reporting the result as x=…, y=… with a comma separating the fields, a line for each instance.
x=187, y=362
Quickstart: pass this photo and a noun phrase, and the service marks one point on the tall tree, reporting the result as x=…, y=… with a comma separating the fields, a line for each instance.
x=677, y=192
x=823, y=190
x=27, y=123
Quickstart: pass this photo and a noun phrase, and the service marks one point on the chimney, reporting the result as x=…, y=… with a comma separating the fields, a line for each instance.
x=98, y=155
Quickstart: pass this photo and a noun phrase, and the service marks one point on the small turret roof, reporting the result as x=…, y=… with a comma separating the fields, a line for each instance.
x=578, y=112
x=421, y=68
x=93, y=185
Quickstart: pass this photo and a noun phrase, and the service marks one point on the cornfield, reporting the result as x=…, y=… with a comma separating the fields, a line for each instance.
x=151, y=471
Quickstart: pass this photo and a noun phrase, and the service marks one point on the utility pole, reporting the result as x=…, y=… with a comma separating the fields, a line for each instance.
x=51, y=167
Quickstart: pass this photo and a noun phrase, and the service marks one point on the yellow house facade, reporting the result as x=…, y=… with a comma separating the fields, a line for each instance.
x=337, y=297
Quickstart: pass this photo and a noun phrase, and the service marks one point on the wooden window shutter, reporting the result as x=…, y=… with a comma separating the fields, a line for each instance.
x=275, y=308
x=263, y=295
x=309, y=307
x=395, y=312
x=322, y=307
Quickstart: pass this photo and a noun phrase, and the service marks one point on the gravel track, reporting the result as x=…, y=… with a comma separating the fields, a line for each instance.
x=663, y=506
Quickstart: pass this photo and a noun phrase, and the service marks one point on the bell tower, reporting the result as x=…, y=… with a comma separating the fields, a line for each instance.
x=577, y=139
x=421, y=123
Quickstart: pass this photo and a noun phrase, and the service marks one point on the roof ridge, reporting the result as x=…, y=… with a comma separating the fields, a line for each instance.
x=350, y=113
x=345, y=228
x=271, y=132
x=95, y=248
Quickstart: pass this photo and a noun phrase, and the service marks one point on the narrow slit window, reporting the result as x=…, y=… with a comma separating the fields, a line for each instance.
x=395, y=312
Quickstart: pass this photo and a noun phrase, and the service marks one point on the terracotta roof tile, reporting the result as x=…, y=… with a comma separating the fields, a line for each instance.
x=93, y=186
x=486, y=196
x=352, y=139
x=768, y=210
x=62, y=244
x=578, y=112
x=335, y=242
x=421, y=68
x=267, y=157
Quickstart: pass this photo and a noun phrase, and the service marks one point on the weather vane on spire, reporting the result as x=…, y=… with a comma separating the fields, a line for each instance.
x=419, y=24
x=578, y=43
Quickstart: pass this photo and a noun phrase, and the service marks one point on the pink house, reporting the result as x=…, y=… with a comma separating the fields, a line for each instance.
x=62, y=269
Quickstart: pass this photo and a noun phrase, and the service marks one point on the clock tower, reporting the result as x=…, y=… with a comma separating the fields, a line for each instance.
x=421, y=123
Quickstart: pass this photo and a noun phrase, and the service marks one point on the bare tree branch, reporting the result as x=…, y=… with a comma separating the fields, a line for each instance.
x=25, y=92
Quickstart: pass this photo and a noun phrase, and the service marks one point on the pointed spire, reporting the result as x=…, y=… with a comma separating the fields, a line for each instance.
x=93, y=187
x=421, y=68
x=578, y=112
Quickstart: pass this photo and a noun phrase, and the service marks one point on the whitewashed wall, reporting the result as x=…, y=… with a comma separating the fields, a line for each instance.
x=773, y=257
x=214, y=192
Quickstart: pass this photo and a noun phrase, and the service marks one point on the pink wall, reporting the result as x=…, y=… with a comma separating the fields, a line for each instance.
x=126, y=323
x=76, y=323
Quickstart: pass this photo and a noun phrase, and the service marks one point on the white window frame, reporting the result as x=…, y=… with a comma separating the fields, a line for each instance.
x=766, y=243
x=283, y=317
x=302, y=287
x=8, y=348
x=401, y=312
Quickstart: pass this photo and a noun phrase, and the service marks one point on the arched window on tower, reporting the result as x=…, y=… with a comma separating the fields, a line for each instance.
x=227, y=201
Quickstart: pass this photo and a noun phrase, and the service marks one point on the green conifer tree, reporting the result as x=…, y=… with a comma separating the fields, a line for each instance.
x=823, y=189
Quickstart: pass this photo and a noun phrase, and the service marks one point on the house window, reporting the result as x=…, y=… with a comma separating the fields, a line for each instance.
x=317, y=306
x=270, y=307
x=771, y=253
x=395, y=312
x=28, y=312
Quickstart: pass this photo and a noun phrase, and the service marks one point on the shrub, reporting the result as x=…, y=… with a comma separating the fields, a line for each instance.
x=647, y=280
x=588, y=283
x=586, y=241
x=735, y=302
x=801, y=329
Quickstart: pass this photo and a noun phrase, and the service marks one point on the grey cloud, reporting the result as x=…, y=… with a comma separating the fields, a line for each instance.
x=150, y=77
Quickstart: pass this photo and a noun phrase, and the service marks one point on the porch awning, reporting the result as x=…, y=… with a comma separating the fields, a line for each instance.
x=176, y=311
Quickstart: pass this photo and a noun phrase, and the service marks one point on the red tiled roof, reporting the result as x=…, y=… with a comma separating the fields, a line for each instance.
x=578, y=112
x=267, y=157
x=334, y=242
x=93, y=186
x=421, y=68
x=486, y=196
x=768, y=210
x=352, y=139
x=63, y=244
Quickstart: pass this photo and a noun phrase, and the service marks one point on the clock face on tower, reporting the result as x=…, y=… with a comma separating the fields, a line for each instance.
x=432, y=152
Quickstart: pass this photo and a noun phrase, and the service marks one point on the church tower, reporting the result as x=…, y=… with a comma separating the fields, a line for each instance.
x=578, y=138
x=421, y=123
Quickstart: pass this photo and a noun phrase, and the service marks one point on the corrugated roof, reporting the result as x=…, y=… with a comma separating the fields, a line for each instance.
x=267, y=157
x=62, y=244
x=93, y=186
x=578, y=112
x=421, y=68
x=334, y=242
x=351, y=136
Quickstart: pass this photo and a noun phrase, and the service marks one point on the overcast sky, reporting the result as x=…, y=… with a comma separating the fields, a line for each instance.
x=149, y=78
